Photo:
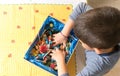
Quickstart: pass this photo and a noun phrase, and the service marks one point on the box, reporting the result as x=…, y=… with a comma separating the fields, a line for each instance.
x=39, y=51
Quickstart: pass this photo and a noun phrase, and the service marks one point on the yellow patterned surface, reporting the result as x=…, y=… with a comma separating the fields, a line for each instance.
x=19, y=25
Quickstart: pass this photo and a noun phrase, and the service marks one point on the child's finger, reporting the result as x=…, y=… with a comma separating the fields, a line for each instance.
x=56, y=49
x=53, y=51
x=64, y=44
x=54, y=43
x=51, y=54
x=52, y=39
x=54, y=35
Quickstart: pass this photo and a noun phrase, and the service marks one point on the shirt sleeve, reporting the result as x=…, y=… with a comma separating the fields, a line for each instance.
x=66, y=74
x=91, y=70
x=97, y=66
x=79, y=9
x=94, y=68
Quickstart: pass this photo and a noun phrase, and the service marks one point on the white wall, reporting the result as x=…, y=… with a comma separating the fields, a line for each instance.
x=73, y=2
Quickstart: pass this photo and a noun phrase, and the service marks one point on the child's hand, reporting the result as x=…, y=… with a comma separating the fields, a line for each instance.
x=58, y=55
x=59, y=39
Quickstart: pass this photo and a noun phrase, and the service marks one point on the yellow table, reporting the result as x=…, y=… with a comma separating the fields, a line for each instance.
x=19, y=24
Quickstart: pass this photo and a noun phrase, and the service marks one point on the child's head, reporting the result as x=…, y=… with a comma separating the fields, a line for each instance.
x=99, y=27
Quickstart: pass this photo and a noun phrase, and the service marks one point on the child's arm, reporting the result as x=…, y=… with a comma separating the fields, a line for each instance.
x=62, y=37
x=59, y=57
x=68, y=26
x=62, y=68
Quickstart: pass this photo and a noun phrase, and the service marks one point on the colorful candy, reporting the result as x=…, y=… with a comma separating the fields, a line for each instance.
x=44, y=47
x=34, y=52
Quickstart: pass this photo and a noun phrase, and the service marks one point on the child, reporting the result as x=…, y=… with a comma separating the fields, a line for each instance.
x=99, y=33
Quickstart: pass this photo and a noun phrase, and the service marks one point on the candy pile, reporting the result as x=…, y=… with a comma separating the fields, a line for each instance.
x=42, y=49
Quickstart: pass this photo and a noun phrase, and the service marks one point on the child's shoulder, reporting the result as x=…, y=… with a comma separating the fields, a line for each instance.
x=100, y=64
x=116, y=51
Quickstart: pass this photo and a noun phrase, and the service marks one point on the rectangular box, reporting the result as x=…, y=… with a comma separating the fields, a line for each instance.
x=39, y=51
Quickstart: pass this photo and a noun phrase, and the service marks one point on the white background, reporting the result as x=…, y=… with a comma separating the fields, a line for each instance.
x=73, y=2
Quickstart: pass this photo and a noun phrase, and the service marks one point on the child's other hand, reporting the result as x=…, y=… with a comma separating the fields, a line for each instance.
x=59, y=39
x=58, y=55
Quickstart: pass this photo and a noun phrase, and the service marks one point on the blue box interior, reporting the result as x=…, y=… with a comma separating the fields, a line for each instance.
x=57, y=27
